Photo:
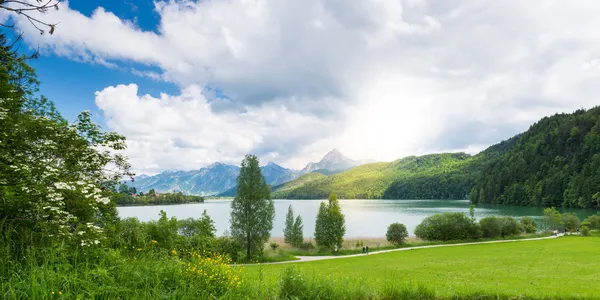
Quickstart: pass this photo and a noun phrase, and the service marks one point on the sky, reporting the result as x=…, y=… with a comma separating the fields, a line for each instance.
x=189, y=83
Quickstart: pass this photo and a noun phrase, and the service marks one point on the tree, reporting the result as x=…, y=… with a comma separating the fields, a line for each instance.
x=510, y=226
x=123, y=189
x=204, y=226
x=252, y=209
x=25, y=8
x=552, y=218
x=593, y=221
x=528, y=224
x=491, y=226
x=447, y=227
x=396, y=234
x=472, y=212
x=570, y=221
x=55, y=177
x=298, y=232
x=289, y=226
x=330, y=225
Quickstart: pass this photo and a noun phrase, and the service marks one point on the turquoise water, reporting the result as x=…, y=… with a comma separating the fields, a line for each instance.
x=364, y=218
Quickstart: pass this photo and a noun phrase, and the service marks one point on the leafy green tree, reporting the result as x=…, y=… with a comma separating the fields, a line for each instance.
x=396, y=233
x=491, y=226
x=472, y=212
x=510, y=226
x=552, y=218
x=585, y=230
x=330, y=225
x=570, y=221
x=123, y=189
x=252, y=209
x=593, y=221
x=447, y=227
x=289, y=226
x=529, y=224
x=204, y=226
x=54, y=186
x=298, y=232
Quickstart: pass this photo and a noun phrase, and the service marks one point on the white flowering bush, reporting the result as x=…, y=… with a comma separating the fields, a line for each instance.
x=55, y=177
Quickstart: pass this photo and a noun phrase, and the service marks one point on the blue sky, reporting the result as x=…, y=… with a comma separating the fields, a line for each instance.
x=71, y=84
x=193, y=82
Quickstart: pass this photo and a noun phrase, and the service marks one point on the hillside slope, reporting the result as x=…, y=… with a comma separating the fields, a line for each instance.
x=555, y=163
x=370, y=180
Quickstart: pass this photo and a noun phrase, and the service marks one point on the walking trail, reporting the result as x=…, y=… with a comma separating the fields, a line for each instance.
x=316, y=258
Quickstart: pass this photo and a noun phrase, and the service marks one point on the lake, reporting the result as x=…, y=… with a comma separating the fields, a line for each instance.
x=364, y=218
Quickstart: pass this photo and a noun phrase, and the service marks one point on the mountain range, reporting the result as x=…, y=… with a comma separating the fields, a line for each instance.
x=219, y=178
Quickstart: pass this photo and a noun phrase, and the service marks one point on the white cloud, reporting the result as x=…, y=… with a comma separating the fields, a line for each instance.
x=182, y=132
x=374, y=78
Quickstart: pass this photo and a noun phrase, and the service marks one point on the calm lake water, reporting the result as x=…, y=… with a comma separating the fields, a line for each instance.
x=364, y=218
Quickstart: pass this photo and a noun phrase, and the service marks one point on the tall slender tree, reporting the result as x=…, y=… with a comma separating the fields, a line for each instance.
x=298, y=232
x=252, y=209
x=289, y=226
x=331, y=225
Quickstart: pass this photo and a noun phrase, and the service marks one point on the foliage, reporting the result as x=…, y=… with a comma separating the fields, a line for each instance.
x=274, y=246
x=510, y=226
x=585, y=230
x=289, y=226
x=54, y=180
x=298, y=232
x=212, y=273
x=593, y=221
x=491, y=226
x=529, y=224
x=552, y=218
x=446, y=227
x=125, y=198
x=252, y=209
x=396, y=234
x=570, y=221
x=204, y=226
x=555, y=163
x=330, y=225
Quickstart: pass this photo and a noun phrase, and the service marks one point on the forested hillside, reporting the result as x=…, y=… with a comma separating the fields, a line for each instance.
x=371, y=180
x=555, y=163
x=455, y=182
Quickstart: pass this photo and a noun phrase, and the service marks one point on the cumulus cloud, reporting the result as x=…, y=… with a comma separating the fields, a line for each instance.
x=374, y=78
x=182, y=132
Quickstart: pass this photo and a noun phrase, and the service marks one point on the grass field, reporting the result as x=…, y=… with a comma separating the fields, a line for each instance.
x=567, y=267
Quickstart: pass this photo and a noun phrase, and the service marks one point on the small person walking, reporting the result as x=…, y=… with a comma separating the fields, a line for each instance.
x=367, y=249
x=363, y=250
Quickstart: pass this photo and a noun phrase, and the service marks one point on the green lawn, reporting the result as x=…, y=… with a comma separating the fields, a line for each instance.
x=565, y=267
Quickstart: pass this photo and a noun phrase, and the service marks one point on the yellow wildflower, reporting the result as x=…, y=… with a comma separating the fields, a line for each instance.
x=139, y=249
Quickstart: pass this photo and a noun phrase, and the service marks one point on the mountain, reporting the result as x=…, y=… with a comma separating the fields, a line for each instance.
x=554, y=163
x=212, y=180
x=333, y=162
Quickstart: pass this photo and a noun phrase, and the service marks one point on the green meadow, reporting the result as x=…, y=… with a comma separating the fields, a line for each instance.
x=568, y=267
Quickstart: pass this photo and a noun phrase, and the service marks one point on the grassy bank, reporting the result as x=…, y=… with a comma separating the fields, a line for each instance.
x=557, y=268
x=286, y=252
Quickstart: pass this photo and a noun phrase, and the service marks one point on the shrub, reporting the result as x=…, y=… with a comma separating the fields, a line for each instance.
x=585, y=230
x=274, y=246
x=396, y=234
x=447, y=227
x=213, y=273
x=307, y=246
x=529, y=224
x=570, y=221
x=594, y=221
x=491, y=227
x=228, y=246
x=510, y=226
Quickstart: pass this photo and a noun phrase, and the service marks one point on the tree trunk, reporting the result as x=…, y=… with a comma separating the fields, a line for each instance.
x=248, y=241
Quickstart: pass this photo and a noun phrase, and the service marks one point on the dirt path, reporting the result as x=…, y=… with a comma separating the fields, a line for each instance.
x=316, y=258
